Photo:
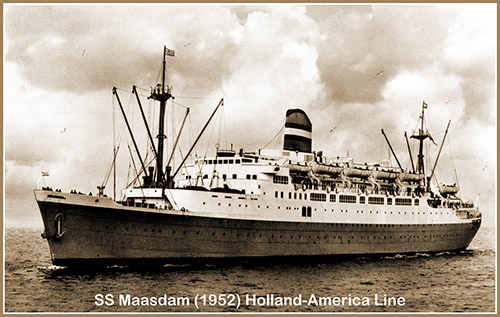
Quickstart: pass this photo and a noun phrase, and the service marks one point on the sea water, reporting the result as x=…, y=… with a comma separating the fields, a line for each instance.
x=444, y=282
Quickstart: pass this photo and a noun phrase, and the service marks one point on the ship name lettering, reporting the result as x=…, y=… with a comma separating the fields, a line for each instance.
x=129, y=300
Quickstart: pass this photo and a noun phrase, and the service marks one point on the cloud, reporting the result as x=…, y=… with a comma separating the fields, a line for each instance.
x=358, y=68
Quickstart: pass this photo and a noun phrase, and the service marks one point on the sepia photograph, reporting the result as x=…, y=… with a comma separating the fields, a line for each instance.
x=249, y=158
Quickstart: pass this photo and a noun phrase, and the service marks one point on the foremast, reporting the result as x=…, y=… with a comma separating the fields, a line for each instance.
x=162, y=93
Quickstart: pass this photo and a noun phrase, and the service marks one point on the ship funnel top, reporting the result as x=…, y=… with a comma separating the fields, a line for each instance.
x=298, y=131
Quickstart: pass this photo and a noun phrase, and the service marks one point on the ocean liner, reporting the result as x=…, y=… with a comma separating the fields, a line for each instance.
x=284, y=202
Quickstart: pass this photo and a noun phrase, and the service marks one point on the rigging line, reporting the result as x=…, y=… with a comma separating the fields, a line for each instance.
x=173, y=131
x=451, y=155
x=110, y=169
x=132, y=159
x=125, y=91
x=140, y=173
x=135, y=169
x=128, y=175
x=210, y=139
x=224, y=126
x=218, y=124
x=157, y=79
x=203, y=98
x=179, y=104
x=148, y=90
x=145, y=96
x=274, y=137
x=280, y=137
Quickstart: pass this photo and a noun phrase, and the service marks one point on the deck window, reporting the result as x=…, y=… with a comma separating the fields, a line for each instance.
x=318, y=197
x=403, y=201
x=333, y=197
x=347, y=199
x=376, y=200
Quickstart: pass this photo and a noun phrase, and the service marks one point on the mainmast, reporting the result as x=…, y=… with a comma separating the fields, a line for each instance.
x=421, y=136
x=161, y=94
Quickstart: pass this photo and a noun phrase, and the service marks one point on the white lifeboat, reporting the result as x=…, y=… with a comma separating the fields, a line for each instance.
x=327, y=169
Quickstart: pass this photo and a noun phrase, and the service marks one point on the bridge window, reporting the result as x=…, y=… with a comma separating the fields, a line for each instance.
x=280, y=179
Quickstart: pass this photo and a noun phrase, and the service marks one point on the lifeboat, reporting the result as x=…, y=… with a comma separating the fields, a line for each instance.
x=387, y=175
x=411, y=177
x=327, y=169
x=297, y=168
x=448, y=189
x=357, y=172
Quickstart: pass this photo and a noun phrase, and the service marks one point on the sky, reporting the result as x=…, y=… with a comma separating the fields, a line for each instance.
x=354, y=69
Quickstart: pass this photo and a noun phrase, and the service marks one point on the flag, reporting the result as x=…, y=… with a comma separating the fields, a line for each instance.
x=425, y=105
x=170, y=52
x=45, y=173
